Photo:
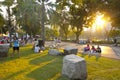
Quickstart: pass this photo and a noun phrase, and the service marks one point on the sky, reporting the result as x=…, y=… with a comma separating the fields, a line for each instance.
x=53, y=1
x=3, y=8
x=4, y=11
x=1, y=0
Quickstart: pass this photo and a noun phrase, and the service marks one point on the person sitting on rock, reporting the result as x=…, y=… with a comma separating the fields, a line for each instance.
x=37, y=49
x=93, y=49
x=87, y=48
x=98, y=49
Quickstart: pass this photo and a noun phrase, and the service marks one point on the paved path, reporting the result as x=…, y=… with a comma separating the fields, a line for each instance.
x=110, y=52
x=107, y=50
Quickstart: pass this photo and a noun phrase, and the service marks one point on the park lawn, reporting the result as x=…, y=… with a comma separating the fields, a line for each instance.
x=33, y=66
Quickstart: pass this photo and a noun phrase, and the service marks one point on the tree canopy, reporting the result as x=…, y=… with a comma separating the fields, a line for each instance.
x=33, y=16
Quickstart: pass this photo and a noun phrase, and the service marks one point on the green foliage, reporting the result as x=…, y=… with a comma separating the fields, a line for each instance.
x=65, y=31
x=3, y=28
x=102, y=42
x=23, y=12
x=46, y=14
x=33, y=16
x=8, y=2
x=114, y=33
x=80, y=13
x=41, y=66
x=111, y=9
x=9, y=19
x=2, y=21
x=51, y=33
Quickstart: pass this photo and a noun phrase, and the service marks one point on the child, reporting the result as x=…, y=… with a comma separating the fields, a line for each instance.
x=37, y=49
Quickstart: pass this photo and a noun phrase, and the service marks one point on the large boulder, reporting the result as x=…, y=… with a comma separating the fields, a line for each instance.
x=74, y=67
x=4, y=49
x=70, y=50
x=54, y=52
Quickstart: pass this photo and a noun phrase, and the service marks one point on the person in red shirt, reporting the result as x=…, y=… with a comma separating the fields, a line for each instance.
x=87, y=48
x=93, y=49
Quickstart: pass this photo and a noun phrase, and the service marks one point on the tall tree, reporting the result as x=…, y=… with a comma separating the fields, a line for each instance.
x=3, y=28
x=23, y=12
x=2, y=23
x=80, y=13
x=47, y=7
x=9, y=18
x=114, y=33
x=63, y=18
x=83, y=12
x=78, y=17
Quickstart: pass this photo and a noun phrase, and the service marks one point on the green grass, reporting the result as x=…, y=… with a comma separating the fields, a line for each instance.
x=32, y=66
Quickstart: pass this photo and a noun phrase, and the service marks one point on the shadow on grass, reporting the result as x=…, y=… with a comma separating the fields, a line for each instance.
x=9, y=58
x=6, y=59
x=14, y=74
x=34, y=67
x=41, y=59
x=50, y=71
x=24, y=52
x=22, y=73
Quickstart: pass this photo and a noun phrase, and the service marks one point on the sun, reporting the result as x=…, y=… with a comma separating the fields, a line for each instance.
x=100, y=20
x=99, y=23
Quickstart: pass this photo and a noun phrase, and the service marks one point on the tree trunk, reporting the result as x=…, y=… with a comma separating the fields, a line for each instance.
x=78, y=33
x=66, y=37
x=42, y=23
x=77, y=37
x=9, y=21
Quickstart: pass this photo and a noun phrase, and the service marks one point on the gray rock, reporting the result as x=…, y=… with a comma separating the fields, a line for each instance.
x=74, y=67
x=54, y=52
x=95, y=54
x=4, y=49
x=70, y=50
x=86, y=52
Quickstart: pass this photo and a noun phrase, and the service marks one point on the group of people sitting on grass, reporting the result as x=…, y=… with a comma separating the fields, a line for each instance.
x=92, y=49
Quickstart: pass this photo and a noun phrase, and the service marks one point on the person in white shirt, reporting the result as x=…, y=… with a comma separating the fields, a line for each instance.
x=37, y=49
x=35, y=42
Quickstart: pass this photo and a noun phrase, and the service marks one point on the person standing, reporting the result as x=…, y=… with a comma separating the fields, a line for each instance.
x=15, y=46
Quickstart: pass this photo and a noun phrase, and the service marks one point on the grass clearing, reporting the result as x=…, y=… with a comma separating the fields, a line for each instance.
x=33, y=66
